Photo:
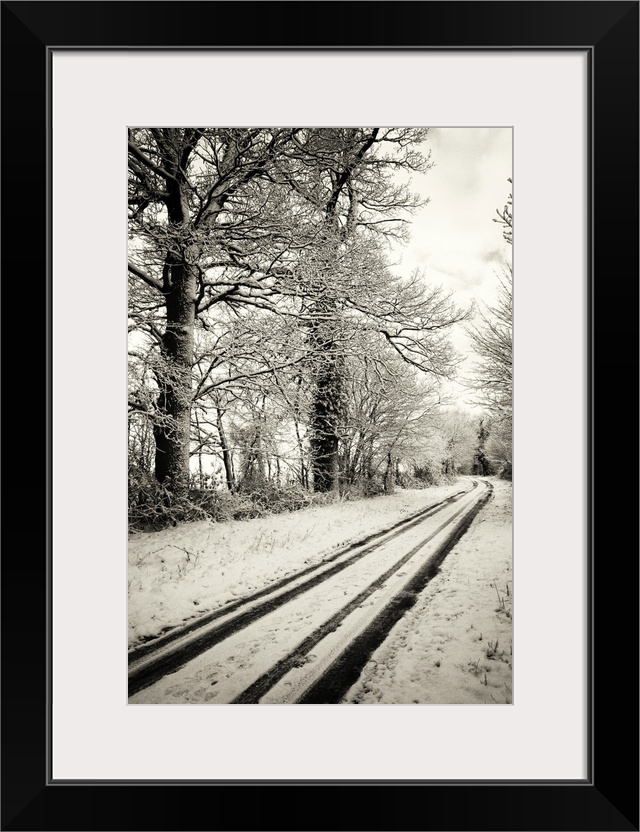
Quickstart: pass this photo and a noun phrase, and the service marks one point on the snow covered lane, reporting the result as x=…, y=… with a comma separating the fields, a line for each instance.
x=223, y=672
x=178, y=574
x=455, y=645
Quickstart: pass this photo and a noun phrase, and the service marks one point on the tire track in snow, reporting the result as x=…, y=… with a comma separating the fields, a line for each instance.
x=344, y=670
x=149, y=663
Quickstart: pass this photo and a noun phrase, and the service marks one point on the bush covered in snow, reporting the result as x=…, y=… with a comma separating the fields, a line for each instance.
x=427, y=472
x=151, y=505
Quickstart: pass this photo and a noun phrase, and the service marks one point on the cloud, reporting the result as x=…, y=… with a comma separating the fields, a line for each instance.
x=454, y=238
x=495, y=255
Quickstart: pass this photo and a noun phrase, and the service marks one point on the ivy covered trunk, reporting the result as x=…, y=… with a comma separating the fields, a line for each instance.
x=481, y=463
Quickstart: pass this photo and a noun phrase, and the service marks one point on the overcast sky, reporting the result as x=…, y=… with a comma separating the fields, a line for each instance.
x=454, y=238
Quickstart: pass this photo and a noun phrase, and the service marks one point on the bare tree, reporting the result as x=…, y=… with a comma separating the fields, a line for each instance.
x=505, y=218
x=187, y=232
x=492, y=339
x=348, y=180
x=493, y=343
x=390, y=408
x=257, y=258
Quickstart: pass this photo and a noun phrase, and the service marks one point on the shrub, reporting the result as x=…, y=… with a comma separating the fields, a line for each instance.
x=220, y=505
x=271, y=498
x=152, y=506
x=428, y=473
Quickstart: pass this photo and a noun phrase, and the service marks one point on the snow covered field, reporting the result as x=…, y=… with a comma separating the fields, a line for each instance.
x=182, y=572
x=455, y=645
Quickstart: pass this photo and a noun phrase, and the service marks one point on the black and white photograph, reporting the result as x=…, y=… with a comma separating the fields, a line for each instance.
x=307, y=495
x=320, y=415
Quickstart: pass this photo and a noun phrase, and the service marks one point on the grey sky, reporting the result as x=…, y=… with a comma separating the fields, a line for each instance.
x=454, y=238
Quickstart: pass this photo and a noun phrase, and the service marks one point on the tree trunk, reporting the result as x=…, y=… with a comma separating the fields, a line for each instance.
x=173, y=425
x=328, y=400
x=226, y=453
x=389, y=475
x=399, y=478
x=200, y=470
x=325, y=425
x=304, y=476
x=303, y=467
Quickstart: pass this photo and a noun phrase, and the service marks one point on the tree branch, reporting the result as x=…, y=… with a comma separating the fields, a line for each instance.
x=147, y=278
x=139, y=155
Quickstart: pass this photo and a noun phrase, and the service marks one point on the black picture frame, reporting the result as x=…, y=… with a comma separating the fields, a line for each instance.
x=608, y=798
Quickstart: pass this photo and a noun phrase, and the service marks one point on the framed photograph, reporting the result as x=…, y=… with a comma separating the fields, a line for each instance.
x=551, y=88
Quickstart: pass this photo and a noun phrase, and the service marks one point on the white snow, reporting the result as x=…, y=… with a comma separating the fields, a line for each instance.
x=226, y=669
x=455, y=645
x=182, y=572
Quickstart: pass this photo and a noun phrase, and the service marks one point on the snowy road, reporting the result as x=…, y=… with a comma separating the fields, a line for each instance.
x=305, y=642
